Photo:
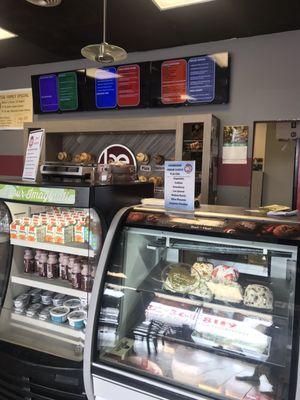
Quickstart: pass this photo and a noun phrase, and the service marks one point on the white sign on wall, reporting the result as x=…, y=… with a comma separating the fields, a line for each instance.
x=15, y=108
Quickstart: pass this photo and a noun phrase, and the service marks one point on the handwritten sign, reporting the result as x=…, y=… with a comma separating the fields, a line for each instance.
x=15, y=108
x=180, y=185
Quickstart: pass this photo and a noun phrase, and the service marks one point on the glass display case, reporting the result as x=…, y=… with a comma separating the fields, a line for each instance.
x=201, y=306
x=51, y=236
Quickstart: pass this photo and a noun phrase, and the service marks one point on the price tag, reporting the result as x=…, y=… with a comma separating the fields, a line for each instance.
x=145, y=168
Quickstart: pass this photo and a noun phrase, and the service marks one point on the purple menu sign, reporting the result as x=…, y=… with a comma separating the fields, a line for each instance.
x=49, y=93
x=201, y=80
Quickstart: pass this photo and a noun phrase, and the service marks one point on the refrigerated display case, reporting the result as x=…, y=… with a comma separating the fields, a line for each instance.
x=195, y=306
x=51, y=236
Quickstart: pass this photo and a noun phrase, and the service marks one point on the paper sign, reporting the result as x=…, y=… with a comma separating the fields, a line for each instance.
x=15, y=108
x=33, y=154
x=235, y=144
x=173, y=82
x=180, y=185
x=106, y=87
x=129, y=87
x=201, y=80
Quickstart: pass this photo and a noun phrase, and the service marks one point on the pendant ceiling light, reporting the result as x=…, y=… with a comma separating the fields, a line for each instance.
x=45, y=3
x=104, y=53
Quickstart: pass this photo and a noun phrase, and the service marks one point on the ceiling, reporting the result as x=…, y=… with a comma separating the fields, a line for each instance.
x=57, y=34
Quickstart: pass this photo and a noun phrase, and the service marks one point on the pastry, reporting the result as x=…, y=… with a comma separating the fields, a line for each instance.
x=204, y=269
x=136, y=217
x=202, y=291
x=159, y=159
x=63, y=156
x=180, y=279
x=224, y=273
x=285, y=230
x=156, y=180
x=258, y=296
x=77, y=158
x=229, y=291
x=246, y=226
x=143, y=158
x=142, y=178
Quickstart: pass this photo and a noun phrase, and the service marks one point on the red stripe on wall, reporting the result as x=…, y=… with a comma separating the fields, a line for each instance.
x=234, y=174
x=11, y=165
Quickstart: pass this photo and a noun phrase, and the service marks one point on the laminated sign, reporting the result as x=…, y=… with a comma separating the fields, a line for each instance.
x=15, y=108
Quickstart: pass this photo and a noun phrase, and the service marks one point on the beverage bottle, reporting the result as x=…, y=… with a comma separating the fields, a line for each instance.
x=63, y=268
x=86, y=278
x=36, y=261
x=70, y=267
x=28, y=261
x=52, y=266
x=76, y=275
x=60, y=260
x=43, y=264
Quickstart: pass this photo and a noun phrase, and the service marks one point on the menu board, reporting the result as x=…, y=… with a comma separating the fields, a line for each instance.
x=129, y=87
x=67, y=91
x=48, y=93
x=184, y=81
x=201, y=80
x=106, y=87
x=173, y=82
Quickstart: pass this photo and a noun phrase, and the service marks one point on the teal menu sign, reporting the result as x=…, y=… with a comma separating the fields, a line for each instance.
x=37, y=194
x=67, y=90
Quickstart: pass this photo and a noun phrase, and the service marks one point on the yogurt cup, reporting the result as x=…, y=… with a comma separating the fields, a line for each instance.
x=47, y=297
x=76, y=319
x=58, y=300
x=59, y=314
x=73, y=304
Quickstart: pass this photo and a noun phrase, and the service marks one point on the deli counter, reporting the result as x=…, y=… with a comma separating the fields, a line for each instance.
x=196, y=306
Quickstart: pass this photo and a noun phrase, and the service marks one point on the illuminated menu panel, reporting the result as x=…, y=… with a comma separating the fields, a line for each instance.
x=106, y=87
x=48, y=86
x=67, y=89
x=173, y=82
x=201, y=80
x=129, y=86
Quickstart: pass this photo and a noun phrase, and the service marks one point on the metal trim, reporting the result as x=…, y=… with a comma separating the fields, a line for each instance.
x=88, y=347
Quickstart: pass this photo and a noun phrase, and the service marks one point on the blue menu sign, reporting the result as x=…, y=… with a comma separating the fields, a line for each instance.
x=106, y=87
x=180, y=185
x=48, y=93
x=201, y=80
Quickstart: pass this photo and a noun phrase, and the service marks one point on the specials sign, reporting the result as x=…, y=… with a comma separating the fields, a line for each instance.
x=15, y=108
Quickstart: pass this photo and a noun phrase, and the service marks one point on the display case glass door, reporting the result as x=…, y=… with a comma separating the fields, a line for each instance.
x=207, y=315
x=51, y=274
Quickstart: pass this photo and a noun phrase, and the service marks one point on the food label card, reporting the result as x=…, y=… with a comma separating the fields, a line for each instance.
x=180, y=185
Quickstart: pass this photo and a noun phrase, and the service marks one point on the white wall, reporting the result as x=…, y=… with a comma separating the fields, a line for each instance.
x=264, y=85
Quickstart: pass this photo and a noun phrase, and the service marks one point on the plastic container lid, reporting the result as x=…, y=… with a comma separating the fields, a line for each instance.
x=59, y=311
x=72, y=303
x=77, y=316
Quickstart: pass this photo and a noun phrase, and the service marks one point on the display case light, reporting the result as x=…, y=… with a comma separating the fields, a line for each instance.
x=167, y=4
x=4, y=34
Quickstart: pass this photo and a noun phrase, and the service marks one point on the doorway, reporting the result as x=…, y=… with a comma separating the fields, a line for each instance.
x=274, y=161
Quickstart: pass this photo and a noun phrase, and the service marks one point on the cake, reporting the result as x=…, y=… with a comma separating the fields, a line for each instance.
x=204, y=269
x=202, y=291
x=224, y=273
x=229, y=291
x=258, y=296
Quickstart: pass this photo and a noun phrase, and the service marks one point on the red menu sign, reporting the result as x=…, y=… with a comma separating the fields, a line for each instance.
x=173, y=82
x=129, y=88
